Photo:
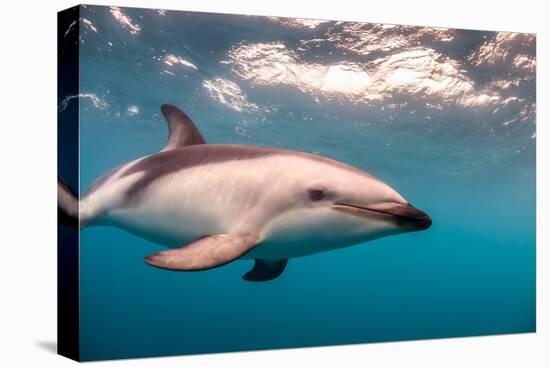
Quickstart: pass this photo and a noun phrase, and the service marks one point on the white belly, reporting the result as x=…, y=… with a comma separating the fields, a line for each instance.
x=182, y=206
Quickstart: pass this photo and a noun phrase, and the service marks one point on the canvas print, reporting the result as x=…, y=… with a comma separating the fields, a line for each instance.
x=236, y=182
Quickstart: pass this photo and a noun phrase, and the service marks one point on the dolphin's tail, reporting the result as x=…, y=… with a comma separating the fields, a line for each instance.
x=67, y=204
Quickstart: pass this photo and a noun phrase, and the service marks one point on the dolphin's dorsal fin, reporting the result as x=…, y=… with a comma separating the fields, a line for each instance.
x=181, y=129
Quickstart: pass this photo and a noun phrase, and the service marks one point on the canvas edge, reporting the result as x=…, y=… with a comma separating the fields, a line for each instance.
x=68, y=286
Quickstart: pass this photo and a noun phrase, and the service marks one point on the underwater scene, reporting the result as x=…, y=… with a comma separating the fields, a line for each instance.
x=446, y=117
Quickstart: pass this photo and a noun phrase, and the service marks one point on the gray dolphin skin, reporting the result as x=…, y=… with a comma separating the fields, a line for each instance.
x=211, y=204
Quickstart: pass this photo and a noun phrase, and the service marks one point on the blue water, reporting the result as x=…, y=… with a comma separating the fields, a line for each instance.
x=470, y=168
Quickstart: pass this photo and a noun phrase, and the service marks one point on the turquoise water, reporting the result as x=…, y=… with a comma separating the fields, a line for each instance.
x=471, y=166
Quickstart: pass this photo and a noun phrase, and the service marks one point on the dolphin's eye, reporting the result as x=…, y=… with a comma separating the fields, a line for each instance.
x=316, y=194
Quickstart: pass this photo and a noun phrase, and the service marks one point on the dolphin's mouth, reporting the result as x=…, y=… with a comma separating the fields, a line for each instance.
x=404, y=215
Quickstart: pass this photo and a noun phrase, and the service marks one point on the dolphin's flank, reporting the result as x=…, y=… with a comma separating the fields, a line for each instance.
x=211, y=204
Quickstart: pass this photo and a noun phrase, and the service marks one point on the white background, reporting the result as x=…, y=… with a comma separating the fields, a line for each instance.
x=28, y=184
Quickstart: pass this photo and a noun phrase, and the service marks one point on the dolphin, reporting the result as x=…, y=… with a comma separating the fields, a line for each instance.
x=211, y=204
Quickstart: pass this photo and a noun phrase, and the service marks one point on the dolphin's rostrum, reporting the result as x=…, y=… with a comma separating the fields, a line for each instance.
x=215, y=203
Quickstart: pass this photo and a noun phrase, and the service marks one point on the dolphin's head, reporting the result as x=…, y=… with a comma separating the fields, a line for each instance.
x=353, y=193
x=336, y=205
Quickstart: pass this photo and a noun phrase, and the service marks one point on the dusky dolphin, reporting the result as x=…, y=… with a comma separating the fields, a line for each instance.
x=214, y=203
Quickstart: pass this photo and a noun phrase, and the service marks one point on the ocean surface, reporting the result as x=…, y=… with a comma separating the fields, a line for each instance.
x=446, y=117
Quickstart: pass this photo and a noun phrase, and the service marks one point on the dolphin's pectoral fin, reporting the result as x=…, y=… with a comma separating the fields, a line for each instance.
x=265, y=270
x=204, y=253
